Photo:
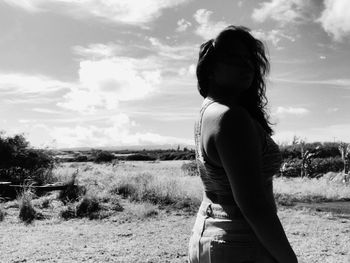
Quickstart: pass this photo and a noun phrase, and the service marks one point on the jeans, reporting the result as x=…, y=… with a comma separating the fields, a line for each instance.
x=219, y=237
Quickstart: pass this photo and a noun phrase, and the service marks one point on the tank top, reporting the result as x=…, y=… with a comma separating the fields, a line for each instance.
x=214, y=177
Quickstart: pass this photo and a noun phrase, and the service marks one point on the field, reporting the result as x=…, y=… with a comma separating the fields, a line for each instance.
x=159, y=203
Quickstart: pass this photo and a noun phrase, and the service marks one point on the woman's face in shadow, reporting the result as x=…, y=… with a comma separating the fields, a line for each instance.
x=234, y=70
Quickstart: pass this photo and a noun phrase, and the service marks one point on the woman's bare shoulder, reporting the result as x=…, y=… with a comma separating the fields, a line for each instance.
x=222, y=109
x=233, y=116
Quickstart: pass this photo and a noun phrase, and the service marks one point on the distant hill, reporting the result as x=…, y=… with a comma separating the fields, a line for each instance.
x=131, y=147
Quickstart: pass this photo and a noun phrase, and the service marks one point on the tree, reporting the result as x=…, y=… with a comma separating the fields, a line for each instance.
x=305, y=156
x=344, y=149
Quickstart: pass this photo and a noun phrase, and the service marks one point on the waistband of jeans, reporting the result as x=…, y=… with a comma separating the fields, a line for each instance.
x=220, y=210
x=224, y=199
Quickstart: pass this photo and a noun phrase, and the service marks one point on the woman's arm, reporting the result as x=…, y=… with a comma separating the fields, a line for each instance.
x=239, y=149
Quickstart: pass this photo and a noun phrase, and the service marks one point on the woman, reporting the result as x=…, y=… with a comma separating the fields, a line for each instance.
x=237, y=220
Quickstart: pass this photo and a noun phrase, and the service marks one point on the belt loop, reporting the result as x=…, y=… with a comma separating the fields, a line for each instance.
x=209, y=210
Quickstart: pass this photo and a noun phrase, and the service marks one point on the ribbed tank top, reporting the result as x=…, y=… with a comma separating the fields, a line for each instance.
x=214, y=178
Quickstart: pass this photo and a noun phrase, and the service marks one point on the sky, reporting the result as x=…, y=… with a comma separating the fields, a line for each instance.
x=94, y=73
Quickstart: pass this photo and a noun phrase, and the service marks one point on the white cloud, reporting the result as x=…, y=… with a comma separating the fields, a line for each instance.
x=178, y=52
x=133, y=12
x=340, y=83
x=274, y=35
x=333, y=15
x=18, y=83
x=119, y=133
x=182, y=25
x=330, y=110
x=24, y=121
x=153, y=46
x=291, y=110
x=49, y=111
x=335, y=18
x=188, y=71
x=104, y=78
x=285, y=11
x=116, y=130
x=97, y=50
x=103, y=83
x=207, y=29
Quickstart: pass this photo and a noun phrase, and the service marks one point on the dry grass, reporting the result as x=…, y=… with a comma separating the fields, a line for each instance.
x=158, y=183
x=310, y=189
x=127, y=198
x=2, y=213
x=27, y=213
x=165, y=183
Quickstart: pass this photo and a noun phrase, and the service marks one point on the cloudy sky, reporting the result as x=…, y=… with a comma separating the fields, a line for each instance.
x=122, y=72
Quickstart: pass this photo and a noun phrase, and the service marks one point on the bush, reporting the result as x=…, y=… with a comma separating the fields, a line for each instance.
x=190, y=168
x=325, y=165
x=102, y=156
x=326, y=149
x=125, y=189
x=19, y=162
x=27, y=213
x=89, y=207
x=2, y=214
x=140, y=157
x=68, y=212
x=81, y=158
x=187, y=155
x=292, y=167
x=143, y=187
x=73, y=191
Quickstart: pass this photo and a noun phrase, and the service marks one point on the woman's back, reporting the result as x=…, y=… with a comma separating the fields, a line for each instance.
x=210, y=168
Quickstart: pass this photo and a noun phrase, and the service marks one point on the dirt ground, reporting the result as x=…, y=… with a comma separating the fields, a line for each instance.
x=315, y=236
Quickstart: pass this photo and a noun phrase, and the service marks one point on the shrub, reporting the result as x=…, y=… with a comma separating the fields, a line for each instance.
x=81, y=158
x=2, y=214
x=44, y=176
x=19, y=162
x=190, y=168
x=27, y=213
x=292, y=167
x=45, y=203
x=111, y=202
x=140, y=157
x=177, y=155
x=103, y=156
x=325, y=165
x=125, y=189
x=68, y=212
x=144, y=187
x=73, y=191
x=326, y=149
x=89, y=207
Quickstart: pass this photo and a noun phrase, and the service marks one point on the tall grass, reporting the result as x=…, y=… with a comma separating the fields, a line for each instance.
x=310, y=189
x=166, y=184
x=2, y=213
x=27, y=213
x=147, y=187
x=73, y=191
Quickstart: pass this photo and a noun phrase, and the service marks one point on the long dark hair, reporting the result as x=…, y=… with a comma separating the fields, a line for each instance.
x=254, y=98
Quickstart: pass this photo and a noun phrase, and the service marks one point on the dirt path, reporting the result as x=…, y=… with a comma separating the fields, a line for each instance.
x=315, y=237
